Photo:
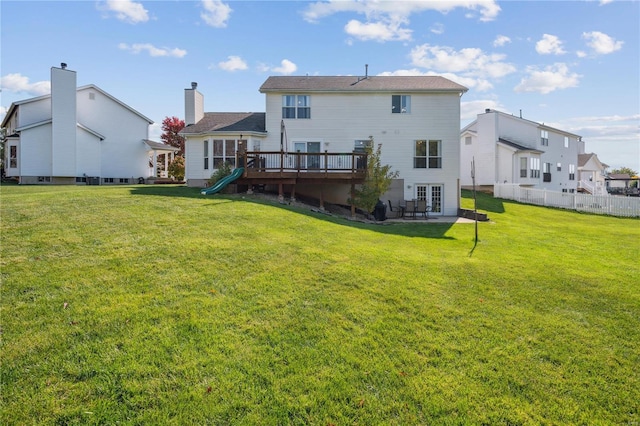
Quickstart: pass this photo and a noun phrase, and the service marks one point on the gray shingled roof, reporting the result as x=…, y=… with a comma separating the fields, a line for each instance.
x=361, y=84
x=518, y=146
x=228, y=122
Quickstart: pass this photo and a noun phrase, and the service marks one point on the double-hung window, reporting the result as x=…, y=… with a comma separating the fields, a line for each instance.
x=428, y=154
x=224, y=151
x=206, y=155
x=544, y=138
x=13, y=156
x=296, y=106
x=523, y=167
x=546, y=172
x=572, y=172
x=535, y=168
x=401, y=104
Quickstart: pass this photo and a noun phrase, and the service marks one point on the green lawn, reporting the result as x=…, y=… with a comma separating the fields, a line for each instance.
x=155, y=305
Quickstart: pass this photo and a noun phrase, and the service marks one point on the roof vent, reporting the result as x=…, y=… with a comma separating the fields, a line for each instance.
x=194, y=85
x=487, y=110
x=63, y=66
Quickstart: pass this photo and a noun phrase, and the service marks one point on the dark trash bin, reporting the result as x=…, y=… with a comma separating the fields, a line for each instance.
x=380, y=211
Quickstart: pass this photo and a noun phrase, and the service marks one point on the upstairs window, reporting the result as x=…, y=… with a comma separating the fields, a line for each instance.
x=435, y=154
x=296, y=106
x=572, y=172
x=566, y=141
x=400, y=104
x=544, y=138
x=559, y=167
x=428, y=154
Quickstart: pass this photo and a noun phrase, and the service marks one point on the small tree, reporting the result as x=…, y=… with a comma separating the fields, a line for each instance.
x=176, y=168
x=171, y=127
x=377, y=181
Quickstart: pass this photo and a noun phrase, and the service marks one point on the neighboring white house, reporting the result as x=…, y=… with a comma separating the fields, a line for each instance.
x=510, y=149
x=592, y=173
x=77, y=135
x=415, y=119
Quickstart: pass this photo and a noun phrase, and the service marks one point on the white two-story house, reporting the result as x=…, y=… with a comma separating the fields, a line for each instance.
x=509, y=149
x=77, y=135
x=319, y=122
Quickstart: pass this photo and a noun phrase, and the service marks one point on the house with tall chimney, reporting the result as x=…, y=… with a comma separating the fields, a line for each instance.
x=78, y=135
x=313, y=136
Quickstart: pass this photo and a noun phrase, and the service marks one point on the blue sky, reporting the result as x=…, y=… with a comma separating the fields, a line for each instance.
x=573, y=65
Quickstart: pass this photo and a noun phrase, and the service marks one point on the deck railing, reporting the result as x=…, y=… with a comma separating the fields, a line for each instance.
x=329, y=162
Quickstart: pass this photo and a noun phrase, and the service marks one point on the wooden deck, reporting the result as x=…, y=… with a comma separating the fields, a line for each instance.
x=284, y=168
x=300, y=167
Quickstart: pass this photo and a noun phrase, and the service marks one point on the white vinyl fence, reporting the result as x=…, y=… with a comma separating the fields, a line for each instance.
x=599, y=204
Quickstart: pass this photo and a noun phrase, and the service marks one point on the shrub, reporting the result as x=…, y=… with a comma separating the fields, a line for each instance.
x=221, y=172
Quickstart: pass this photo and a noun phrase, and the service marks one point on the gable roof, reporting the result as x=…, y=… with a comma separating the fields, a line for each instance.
x=15, y=104
x=356, y=84
x=583, y=159
x=228, y=122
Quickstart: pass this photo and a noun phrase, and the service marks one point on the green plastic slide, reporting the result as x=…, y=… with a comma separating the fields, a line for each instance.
x=219, y=185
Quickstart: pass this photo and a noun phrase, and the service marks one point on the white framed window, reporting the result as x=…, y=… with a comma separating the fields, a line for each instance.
x=296, y=106
x=572, y=172
x=428, y=154
x=224, y=151
x=523, y=167
x=559, y=167
x=535, y=168
x=566, y=141
x=467, y=140
x=401, y=104
x=206, y=155
x=13, y=156
x=361, y=145
x=544, y=138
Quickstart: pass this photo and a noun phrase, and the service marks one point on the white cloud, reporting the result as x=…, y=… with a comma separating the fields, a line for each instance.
x=472, y=62
x=478, y=84
x=501, y=40
x=286, y=67
x=153, y=51
x=550, y=45
x=387, y=20
x=17, y=83
x=470, y=110
x=554, y=77
x=581, y=54
x=601, y=43
x=437, y=28
x=216, y=13
x=233, y=63
x=126, y=10
x=378, y=31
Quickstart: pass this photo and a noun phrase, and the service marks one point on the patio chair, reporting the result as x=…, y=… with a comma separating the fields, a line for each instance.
x=423, y=209
x=410, y=208
x=393, y=213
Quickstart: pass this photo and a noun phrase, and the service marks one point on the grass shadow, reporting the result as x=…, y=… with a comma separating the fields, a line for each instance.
x=485, y=201
x=414, y=230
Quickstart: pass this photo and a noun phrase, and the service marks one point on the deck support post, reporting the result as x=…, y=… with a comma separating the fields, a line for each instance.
x=321, y=197
x=353, y=206
x=293, y=192
x=280, y=193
